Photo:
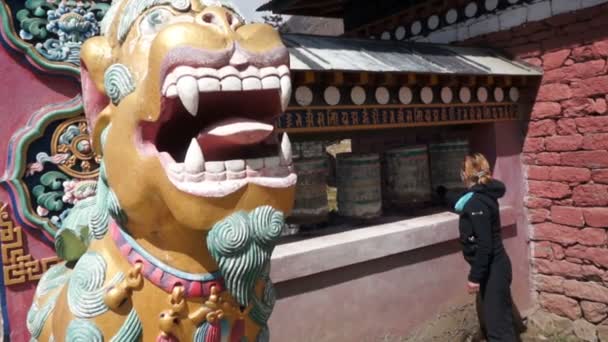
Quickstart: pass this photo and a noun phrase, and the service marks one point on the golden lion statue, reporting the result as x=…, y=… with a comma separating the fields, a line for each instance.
x=181, y=96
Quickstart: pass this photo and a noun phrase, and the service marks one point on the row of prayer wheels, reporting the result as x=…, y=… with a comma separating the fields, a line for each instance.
x=401, y=177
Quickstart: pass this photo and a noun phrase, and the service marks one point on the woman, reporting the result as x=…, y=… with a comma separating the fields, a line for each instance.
x=480, y=235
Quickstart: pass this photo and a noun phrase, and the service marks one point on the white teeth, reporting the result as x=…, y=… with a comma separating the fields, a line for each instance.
x=195, y=162
x=283, y=70
x=285, y=92
x=231, y=83
x=268, y=71
x=171, y=91
x=271, y=82
x=187, y=89
x=255, y=164
x=215, y=167
x=235, y=165
x=252, y=83
x=251, y=71
x=175, y=167
x=272, y=162
x=207, y=72
x=285, y=155
x=228, y=71
x=208, y=84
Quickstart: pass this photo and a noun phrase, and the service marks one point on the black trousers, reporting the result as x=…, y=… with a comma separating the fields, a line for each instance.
x=499, y=319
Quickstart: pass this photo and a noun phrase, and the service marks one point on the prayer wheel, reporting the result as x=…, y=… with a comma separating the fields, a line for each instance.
x=311, y=191
x=358, y=178
x=446, y=162
x=406, y=177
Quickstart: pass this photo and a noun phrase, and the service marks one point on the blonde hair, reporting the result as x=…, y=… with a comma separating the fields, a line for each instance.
x=476, y=169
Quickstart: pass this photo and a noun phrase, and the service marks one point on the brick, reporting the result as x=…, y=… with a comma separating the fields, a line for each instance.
x=539, y=173
x=594, y=312
x=542, y=128
x=578, y=106
x=544, y=110
x=569, y=174
x=596, y=217
x=598, y=124
x=552, y=190
x=536, y=203
x=554, y=92
x=555, y=233
x=596, y=141
x=600, y=176
x=586, y=290
x=553, y=60
x=584, y=53
x=534, y=145
x=589, y=87
x=575, y=71
x=566, y=127
x=569, y=216
x=542, y=250
x=591, y=195
x=587, y=159
x=558, y=268
x=560, y=305
x=592, y=237
x=601, y=48
x=564, y=143
x=538, y=215
x=598, y=256
x=569, y=62
x=590, y=272
x=549, y=283
x=547, y=158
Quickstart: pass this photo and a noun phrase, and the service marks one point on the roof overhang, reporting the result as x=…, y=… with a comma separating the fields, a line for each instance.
x=322, y=53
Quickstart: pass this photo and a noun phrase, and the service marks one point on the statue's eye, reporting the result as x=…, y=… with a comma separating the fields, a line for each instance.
x=155, y=21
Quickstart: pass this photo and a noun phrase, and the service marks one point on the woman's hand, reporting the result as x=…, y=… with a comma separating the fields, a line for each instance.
x=472, y=287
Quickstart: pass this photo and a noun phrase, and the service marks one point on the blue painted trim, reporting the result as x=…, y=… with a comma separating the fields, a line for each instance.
x=164, y=267
x=6, y=319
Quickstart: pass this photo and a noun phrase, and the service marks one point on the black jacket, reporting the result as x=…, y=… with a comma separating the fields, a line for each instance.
x=479, y=226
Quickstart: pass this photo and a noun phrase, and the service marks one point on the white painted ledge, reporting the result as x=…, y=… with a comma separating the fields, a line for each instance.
x=324, y=253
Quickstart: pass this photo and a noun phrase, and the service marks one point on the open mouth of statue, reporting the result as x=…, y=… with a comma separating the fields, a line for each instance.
x=215, y=133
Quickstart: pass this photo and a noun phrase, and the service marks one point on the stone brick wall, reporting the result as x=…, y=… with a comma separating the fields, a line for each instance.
x=566, y=159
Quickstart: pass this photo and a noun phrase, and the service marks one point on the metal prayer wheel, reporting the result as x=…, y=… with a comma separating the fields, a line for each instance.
x=446, y=162
x=358, y=178
x=406, y=177
x=311, y=191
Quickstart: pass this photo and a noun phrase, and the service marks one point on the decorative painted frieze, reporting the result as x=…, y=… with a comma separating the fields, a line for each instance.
x=475, y=18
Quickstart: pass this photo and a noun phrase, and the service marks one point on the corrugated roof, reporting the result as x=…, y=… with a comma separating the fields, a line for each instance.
x=319, y=53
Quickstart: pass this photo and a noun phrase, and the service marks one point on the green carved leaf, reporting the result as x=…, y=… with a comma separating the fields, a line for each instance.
x=51, y=200
x=54, y=180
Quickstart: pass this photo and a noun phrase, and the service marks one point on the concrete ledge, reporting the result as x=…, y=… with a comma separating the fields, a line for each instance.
x=315, y=255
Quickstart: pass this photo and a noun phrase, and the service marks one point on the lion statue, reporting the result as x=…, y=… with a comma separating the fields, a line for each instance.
x=181, y=96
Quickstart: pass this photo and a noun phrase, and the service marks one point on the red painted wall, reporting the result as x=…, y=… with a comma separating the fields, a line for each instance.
x=565, y=157
x=24, y=91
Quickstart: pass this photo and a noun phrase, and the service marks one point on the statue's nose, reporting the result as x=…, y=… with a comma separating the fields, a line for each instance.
x=219, y=18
